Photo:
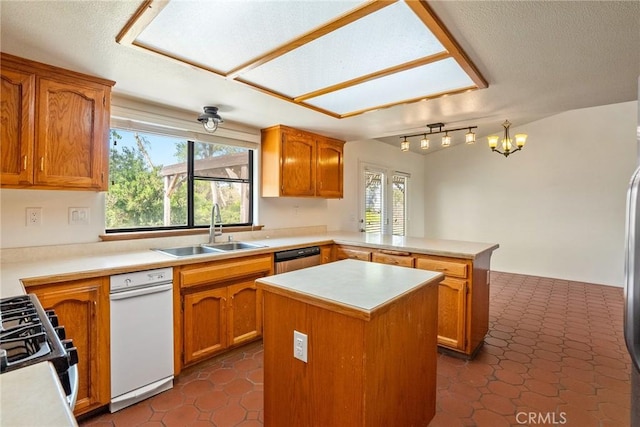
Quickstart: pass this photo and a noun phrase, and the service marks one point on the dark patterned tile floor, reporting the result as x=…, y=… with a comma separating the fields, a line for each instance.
x=554, y=355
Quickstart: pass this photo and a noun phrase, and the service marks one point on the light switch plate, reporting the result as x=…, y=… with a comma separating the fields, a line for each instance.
x=300, y=346
x=78, y=216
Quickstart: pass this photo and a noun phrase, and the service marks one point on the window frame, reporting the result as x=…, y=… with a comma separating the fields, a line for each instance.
x=190, y=182
x=387, y=211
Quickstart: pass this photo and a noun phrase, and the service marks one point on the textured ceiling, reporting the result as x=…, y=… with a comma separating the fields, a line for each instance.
x=538, y=57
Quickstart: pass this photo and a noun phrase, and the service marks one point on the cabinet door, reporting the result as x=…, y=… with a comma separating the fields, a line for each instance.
x=329, y=168
x=71, y=135
x=245, y=311
x=298, y=164
x=17, y=112
x=204, y=323
x=83, y=309
x=451, y=313
x=326, y=253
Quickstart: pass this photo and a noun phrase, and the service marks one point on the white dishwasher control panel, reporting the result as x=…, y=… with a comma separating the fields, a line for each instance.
x=141, y=279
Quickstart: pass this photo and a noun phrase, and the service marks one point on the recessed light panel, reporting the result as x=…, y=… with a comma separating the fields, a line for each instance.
x=341, y=58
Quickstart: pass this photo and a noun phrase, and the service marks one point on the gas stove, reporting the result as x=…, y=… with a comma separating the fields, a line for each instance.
x=29, y=335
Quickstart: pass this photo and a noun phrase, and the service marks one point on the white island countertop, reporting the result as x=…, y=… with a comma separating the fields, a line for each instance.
x=32, y=396
x=353, y=287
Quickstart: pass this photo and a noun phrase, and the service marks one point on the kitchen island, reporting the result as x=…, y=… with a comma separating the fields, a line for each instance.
x=370, y=332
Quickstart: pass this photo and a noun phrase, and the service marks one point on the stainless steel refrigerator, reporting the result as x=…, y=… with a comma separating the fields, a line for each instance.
x=632, y=288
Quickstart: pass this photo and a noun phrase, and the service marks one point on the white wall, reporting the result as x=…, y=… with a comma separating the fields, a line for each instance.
x=344, y=214
x=557, y=208
x=55, y=228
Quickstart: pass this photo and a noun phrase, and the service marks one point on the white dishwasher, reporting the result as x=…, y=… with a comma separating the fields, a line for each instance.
x=141, y=336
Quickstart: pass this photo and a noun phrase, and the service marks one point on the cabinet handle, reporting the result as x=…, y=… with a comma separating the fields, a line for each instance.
x=24, y=164
x=41, y=164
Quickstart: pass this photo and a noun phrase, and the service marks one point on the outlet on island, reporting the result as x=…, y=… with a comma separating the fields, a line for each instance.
x=300, y=346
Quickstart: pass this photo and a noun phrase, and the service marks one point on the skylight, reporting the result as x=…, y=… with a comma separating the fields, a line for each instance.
x=341, y=58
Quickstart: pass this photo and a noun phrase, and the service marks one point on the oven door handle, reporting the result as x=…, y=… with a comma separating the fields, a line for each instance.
x=140, y=292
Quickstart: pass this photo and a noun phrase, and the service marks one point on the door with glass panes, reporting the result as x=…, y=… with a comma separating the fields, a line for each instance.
x=384, y=201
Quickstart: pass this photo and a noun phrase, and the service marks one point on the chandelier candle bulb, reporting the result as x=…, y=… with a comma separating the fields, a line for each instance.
x=521, y=139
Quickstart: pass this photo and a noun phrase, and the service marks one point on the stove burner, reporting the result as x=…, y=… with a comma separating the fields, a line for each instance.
x=27, y=336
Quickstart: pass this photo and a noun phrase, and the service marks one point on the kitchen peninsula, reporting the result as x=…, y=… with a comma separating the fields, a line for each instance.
x=367, y=356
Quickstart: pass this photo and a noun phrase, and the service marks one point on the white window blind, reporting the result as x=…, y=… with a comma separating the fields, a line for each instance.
x=373, y=212
x=399, y=203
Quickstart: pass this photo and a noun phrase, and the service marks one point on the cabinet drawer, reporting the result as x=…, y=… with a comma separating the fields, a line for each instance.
x=401, y=260
x=447, y=267
x=218, y=271
x=352, y=253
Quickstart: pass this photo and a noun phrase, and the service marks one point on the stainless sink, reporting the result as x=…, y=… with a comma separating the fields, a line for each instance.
x=189, y=251
x=233, y=246
x=214, y=248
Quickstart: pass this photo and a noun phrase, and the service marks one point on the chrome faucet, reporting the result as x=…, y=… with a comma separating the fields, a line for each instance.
x=216, y=221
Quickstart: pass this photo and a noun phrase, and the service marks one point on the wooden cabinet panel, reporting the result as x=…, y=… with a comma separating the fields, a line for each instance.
x=70, y=142
x=245, y=312
x=446, y=266
x=204, y=324
x=296, y=163
x=393, y=259
x=326, y=254
x=219, y=271
x=17, y=130
x=221, y=306
x=346, y=252
x=55, y=127
x=83, y=309
x=452, y=313
x=329, y=168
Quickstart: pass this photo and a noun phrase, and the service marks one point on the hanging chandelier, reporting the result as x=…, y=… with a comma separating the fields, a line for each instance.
x=434, y=129
x=507, y=142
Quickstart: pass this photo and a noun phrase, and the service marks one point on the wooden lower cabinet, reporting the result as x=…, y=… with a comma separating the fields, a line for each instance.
x=403, y=259
x=451, y=313
x=221, y=306
x=204, y=324
x=352, y=252
x=82, y=307
x=326, y=253
x=463, y=301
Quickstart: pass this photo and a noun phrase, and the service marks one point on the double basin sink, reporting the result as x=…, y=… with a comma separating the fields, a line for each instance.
x=213, y=248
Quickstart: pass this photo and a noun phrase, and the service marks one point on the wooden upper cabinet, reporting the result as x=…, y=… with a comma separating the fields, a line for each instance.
x=70, y=143
x=329, y=167
x=298, y=169
x=57, y=127
x=296, y=163
x=17, y=131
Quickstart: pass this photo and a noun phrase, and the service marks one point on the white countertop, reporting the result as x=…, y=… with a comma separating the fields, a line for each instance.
x=32, y=397
x=99, y=259
x=69, y=262
x=364, y=286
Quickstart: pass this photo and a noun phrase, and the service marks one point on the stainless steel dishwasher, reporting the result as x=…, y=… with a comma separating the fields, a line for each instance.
x=295, y=259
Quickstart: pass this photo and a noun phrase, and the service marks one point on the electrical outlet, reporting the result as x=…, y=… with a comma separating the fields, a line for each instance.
x=34, y=217
x=300, y=346
x=79, y=216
